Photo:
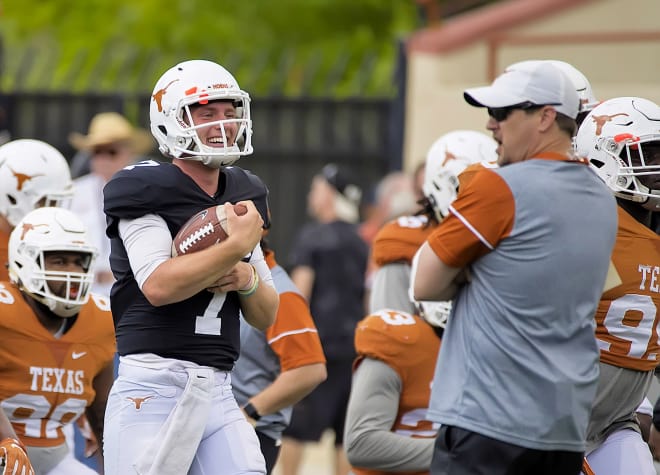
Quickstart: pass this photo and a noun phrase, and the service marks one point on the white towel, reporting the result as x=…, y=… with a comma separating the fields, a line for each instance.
x=175, y=445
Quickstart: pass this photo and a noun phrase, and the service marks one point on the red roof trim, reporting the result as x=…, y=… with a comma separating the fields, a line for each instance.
x=485, y=22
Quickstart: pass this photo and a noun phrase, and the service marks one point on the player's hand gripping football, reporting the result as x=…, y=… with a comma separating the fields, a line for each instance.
x=14, y=456
x=246, y=229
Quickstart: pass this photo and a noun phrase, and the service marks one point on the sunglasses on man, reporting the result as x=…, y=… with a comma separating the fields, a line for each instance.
x=500, y=114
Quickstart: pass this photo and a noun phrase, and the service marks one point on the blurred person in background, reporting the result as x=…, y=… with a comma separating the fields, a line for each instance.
x=394, y=196
x=329, y=262
x=111, y=144
x=278, y=366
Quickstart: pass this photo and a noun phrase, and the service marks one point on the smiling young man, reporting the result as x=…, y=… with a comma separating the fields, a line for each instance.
x=177, y=318
x=524, y=252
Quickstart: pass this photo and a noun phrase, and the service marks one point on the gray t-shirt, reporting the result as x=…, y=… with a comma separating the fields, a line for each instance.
x=519, y=361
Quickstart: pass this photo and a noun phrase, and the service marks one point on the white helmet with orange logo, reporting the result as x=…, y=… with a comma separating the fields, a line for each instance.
x=32, y=174
x=50, y=230
x=621, y=139
x=446, y=159
x=198, y=82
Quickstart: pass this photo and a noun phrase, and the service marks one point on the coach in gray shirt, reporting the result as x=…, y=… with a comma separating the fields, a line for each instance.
x=525, y=252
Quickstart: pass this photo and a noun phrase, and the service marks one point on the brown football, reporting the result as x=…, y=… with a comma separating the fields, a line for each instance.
x=204, y=229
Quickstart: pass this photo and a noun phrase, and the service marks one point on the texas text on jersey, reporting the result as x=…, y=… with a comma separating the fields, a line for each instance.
x=627, y=317
x=172, y=331
x=47, y=382
x=408, y=345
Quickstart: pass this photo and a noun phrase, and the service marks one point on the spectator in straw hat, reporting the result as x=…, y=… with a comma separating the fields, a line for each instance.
x=111, y=144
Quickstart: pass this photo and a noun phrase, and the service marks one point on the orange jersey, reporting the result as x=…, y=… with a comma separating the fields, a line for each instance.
x=399, y=240
x=409, y=346
x=628, y=315
x=47, y=382
x=293, y=336
x=466, y=175
x=4, y=256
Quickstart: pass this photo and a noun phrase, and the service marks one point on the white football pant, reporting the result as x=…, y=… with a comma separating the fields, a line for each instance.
x=140, y=401
x=623, y=452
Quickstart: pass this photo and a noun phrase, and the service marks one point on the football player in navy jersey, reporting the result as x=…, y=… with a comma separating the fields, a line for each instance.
x=171, y=409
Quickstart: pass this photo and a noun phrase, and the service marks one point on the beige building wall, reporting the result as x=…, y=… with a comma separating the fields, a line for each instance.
x=615, y=43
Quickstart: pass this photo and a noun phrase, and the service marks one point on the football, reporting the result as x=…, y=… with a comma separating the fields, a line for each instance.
x=204, y=229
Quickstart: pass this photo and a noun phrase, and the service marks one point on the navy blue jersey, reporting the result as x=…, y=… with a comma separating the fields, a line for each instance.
x=180, y=330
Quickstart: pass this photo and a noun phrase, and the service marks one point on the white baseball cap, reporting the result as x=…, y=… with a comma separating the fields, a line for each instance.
x=541, y=84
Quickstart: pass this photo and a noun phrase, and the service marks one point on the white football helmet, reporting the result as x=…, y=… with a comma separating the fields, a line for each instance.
x=616, y=138
x=32, y=174
x=41, y=231
x=435, y=313
x=446, y=159
x=194, y=82
x=582, y=85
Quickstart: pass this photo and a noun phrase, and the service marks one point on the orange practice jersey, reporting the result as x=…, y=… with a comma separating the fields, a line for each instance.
x=47, y=382
x=409, y=346
x=466, y=175
x=628, y=315
x=293, y=336
x=399, y=240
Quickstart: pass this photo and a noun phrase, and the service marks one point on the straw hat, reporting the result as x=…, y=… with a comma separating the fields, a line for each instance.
x=110, y=127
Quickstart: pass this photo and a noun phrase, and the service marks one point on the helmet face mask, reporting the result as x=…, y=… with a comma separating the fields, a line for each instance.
x=621, y=140
x=43, y=235
x=192, y=83
x=32, y=174
x=436, y=314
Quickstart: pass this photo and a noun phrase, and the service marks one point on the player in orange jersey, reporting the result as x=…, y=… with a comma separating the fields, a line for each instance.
x=58, y=340
x=386, y=428
x=621, y=139
x=396, y=243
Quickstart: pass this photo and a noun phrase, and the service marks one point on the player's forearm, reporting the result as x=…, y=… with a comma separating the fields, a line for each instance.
x=260, y=308
x=289, y=388
x=182, y=277
x=390, y=452
x=431, y=278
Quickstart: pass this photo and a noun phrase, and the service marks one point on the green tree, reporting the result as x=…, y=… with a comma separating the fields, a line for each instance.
x=285, y=47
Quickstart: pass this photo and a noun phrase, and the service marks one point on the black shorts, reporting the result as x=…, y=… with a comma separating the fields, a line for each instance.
x=325, y=407
x=462, y=452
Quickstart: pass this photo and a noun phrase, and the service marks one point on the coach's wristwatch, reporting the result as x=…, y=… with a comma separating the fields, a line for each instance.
x=251, y=411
